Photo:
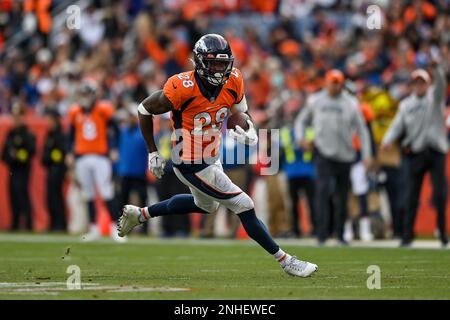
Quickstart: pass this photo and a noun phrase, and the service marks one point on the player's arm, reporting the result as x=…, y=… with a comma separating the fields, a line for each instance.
x=439, y=85
x=156, y=103
x=395, y=130
x=249, y=137
x=241, y=106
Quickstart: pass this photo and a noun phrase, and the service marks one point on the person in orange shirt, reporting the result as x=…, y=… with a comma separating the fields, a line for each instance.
x=92, y=130
x=199, y=102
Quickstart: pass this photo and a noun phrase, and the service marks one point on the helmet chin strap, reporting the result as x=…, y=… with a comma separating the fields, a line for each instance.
x=209, y=90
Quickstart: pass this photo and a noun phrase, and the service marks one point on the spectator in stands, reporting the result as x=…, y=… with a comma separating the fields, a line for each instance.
x=18, y=152
x=53, y=157
x=92, y=26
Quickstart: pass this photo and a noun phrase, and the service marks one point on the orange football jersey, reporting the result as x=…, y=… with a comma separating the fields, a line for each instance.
x=197, y=118
x=91, y=128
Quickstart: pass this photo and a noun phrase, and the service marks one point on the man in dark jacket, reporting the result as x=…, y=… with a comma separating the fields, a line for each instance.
x=53, y=159
x=132, y=164
x=18, y=152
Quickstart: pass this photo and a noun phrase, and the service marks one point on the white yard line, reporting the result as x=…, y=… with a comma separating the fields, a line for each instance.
x=54, y=288
x=308, y=242
x=38, y=284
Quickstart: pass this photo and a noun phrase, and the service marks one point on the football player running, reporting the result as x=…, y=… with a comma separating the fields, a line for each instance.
x=90, y=151
x=199, y=101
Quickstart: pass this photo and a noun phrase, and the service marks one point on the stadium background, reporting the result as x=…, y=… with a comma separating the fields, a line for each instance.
x=280, y=46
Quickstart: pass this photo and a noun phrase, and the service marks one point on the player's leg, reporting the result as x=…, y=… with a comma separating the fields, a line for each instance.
x=342, y=187
x=213, y=183
x=14, y=198
x=182, y=203
x=133, y=216
x=360, y=188
x=178, y=204
x=437, y=174
x=104, y=183
x=25, y=200
x=324, y=186
x=294, y=197
x=141, y=189
x=84, y=176
x=416, y=170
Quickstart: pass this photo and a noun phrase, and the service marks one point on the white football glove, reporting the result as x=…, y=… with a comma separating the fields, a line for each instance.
x=156, y=164
x=248, y=137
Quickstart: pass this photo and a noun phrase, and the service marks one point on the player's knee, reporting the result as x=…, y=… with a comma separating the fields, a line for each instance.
x=241, y=203
x=209, y=207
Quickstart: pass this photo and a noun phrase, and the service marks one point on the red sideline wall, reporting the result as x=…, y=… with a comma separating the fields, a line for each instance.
x=37, y=177
x=425, y=224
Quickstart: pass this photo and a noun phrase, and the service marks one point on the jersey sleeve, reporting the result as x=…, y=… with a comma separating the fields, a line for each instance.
x=238, y=84
x=173, y=90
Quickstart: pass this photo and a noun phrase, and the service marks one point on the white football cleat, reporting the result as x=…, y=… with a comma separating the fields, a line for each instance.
x=128, y=220
x=298, y=268
x=115, y=234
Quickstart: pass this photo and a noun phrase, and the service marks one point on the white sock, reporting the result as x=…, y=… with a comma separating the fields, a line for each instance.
x=144, y=216
x=281, y=256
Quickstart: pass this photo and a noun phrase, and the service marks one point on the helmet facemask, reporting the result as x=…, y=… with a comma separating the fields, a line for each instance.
x=87, y=96
x=215, y=70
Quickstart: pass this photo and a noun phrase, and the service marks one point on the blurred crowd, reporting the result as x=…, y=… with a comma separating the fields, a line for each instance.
x=283, y=48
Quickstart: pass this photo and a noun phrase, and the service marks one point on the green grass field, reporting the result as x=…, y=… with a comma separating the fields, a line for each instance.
x=34, y=267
